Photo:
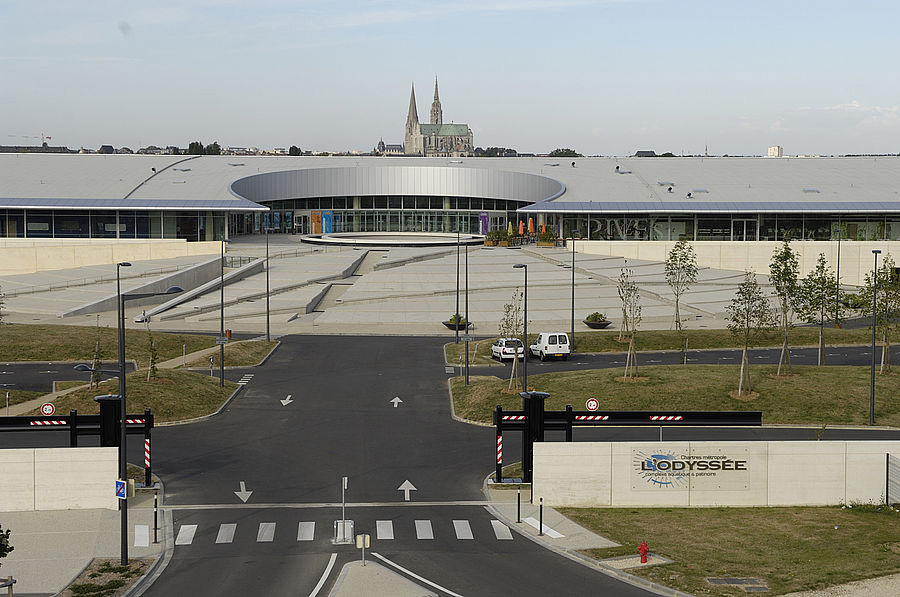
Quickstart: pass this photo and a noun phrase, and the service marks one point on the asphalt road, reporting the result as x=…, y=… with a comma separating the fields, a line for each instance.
x=338, y=419
x=39, y=377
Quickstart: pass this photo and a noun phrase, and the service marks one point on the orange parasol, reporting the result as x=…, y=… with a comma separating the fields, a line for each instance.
x=543, y=227
x=521, y=228
x=530, y=226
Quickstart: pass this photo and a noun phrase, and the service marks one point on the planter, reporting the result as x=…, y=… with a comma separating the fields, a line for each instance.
x=546, y=243
x=456, y=326
x=502, y=243
x=597, y=325
x=490, y=243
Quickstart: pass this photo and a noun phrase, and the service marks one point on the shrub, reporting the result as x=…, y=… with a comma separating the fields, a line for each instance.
x=547, y=236
x=457, y=319
x=596, y=316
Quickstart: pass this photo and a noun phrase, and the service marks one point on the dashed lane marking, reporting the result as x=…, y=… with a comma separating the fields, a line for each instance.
x=245, y=379
x=547, y=530
x=306, y=531
x=186, y=534
x=266, y=532
x=501, y=531
x=384, y=529
x=424, y=530
x=463, y=529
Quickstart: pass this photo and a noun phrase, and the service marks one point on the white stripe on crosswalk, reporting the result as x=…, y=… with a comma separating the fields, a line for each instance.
x=186, y=534
x=424, y=530
x=384, y=529
x=501, y=531
x=306, y=531
x=463, y=530
x=141, y=535
x=547, y=530
x=266, y=533
x=226, y=532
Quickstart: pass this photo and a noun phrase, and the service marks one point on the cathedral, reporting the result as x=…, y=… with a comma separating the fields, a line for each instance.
x=436, y=139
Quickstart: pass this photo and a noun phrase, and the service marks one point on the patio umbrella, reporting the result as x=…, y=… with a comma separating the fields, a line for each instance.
x=543, y=227
x=530, y=226
x=521, y=228
x=509, y=229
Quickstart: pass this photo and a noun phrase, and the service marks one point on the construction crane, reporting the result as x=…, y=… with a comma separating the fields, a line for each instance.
x=44, y=138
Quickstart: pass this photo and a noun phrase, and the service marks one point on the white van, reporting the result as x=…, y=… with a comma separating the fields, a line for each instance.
x=550, y=344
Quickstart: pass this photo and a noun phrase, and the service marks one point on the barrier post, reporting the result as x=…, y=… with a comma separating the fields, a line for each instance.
x=570, y=418
x=148, y=425
x=533, y=405
x=541, y=518
x=498, y=477
x=73, y=428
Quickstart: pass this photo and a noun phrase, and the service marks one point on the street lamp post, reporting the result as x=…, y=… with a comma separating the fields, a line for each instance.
x=525, y=331
x=572, y=335
x=837, y=286
x=267, y=285
x=456, y=314
x=123, y=471
x=222, y=318
x=874, y=322
x=467, y=315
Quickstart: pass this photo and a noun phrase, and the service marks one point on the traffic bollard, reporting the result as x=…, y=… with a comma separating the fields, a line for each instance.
x=541, y=518
x=155, y=519
x=518, y=504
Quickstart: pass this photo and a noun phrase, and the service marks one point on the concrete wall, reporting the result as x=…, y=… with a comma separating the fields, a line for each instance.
x=58, y=478
x=856, y=256
x=686, y=474
x=27, y=255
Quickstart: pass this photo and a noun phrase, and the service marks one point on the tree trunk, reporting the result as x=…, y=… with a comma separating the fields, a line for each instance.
x=822, y=344
x=513, y=377
x=745, y=373
x=785, y=356
x=677, y=316
x=633, y=354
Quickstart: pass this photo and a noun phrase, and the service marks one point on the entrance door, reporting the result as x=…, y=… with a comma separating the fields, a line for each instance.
x=743, y=230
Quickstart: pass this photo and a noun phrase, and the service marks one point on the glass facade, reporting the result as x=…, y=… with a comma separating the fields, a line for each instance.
x=59, y=223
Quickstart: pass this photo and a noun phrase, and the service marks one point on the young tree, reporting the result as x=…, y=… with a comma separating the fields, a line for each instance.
x=5, y=547
x=784, y=273
x=815, y=303
x=681, y=274
x=631, y=315
x=887, y=318
x=511, y=325
x=97, y=361
x=1, y=305
x=152, y=371
x=749, y=317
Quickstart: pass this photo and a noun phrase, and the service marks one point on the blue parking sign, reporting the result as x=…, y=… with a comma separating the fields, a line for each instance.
x=120, y=489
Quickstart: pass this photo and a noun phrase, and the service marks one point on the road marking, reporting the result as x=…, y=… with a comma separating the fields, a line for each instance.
x=226, y=532
x=266, y=532
x=324, y=577
x=414, y=575
x=384, y=529
x=424, y=530
x=286, y=401
x=243, y=494
x=463, y=529
x=726, y=358
x=547, y=530
x=323, y=505
x=654, y=361
x=306, y=531
x=186, y=534
x=501, y=531
x=141, y=535
x=395, y=401
x=406, y=487
x=246, y=379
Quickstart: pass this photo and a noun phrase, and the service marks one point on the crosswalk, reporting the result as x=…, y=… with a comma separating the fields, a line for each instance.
x=266, y=532
x=245, y=379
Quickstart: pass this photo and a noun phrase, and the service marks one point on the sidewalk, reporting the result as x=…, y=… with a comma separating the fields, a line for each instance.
x=52, y=547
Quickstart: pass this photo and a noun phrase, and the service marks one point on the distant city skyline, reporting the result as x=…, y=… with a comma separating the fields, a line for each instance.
x=607, y=77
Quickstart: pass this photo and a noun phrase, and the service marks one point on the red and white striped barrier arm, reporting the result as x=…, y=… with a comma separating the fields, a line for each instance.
x=49, y=422
x=591, y=417
x=146, y=453
x=513, y=417
x=666, y=418
x=499, y=449
x=135, y=421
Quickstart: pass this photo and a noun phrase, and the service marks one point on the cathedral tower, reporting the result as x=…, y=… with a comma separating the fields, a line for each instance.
x=412, y=141
x=437, y=116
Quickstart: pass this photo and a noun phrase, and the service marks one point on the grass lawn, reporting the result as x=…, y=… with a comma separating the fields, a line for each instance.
x=21, y=342
x=16, y=397
x=172, y=396
x=240, y=354
x=606, y=341
x=790, y=549
x=817, y=395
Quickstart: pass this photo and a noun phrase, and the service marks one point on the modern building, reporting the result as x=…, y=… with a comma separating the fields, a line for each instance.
x=435, y=139
x=776, y=151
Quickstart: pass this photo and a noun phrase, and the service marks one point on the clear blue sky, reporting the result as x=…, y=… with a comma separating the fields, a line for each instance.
x=601, y=77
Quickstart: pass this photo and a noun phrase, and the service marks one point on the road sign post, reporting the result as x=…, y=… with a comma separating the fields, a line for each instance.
x=362, y=542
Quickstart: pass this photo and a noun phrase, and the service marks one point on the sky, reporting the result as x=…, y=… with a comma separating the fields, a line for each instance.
x=604, y=77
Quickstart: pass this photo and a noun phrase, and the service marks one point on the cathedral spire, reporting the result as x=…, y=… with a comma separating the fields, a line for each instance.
x=437, y=116
x=413, y=116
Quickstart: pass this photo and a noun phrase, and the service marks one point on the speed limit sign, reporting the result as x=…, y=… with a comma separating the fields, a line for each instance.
x=592, y=404
x=47, y=409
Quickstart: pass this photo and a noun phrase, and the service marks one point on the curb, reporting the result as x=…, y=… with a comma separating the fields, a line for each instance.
x=584, y=560
x=453, y=414
x=204, y=417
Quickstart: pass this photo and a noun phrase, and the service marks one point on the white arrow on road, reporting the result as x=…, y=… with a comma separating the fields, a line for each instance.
x=397, y=401
x=287, y=400
x=406, y=488
x=243, y=493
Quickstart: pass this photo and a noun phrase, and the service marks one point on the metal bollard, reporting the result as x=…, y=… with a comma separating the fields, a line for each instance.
x=541, y=519
x=155, y=519
x=518, y=504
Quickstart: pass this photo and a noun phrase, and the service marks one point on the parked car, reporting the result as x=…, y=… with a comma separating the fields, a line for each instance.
x=550, y=344
x=506, y=348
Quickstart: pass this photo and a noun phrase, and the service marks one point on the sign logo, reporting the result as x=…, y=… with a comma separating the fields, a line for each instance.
x=120, y=489
x=592, y=404
x=658, y=469
x=709, y=470
x=47, y=409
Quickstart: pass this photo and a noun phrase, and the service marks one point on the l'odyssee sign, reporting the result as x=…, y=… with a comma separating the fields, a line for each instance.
x=715, y=468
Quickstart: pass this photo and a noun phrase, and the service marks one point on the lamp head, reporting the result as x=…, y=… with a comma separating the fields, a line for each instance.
x=520, y=265
x=876, y=251
x=124, y=264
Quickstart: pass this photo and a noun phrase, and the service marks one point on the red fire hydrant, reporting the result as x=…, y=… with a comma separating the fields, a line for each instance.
x=643, y=549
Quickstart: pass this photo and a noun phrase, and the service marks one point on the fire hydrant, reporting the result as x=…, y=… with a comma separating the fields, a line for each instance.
x=643, y=549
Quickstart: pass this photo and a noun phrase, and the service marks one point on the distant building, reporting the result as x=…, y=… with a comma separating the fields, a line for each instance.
x=645, y=153
x=34, y=149
x=435, y=139
x=776, y=151
x=106, y=149
x=388, y=148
